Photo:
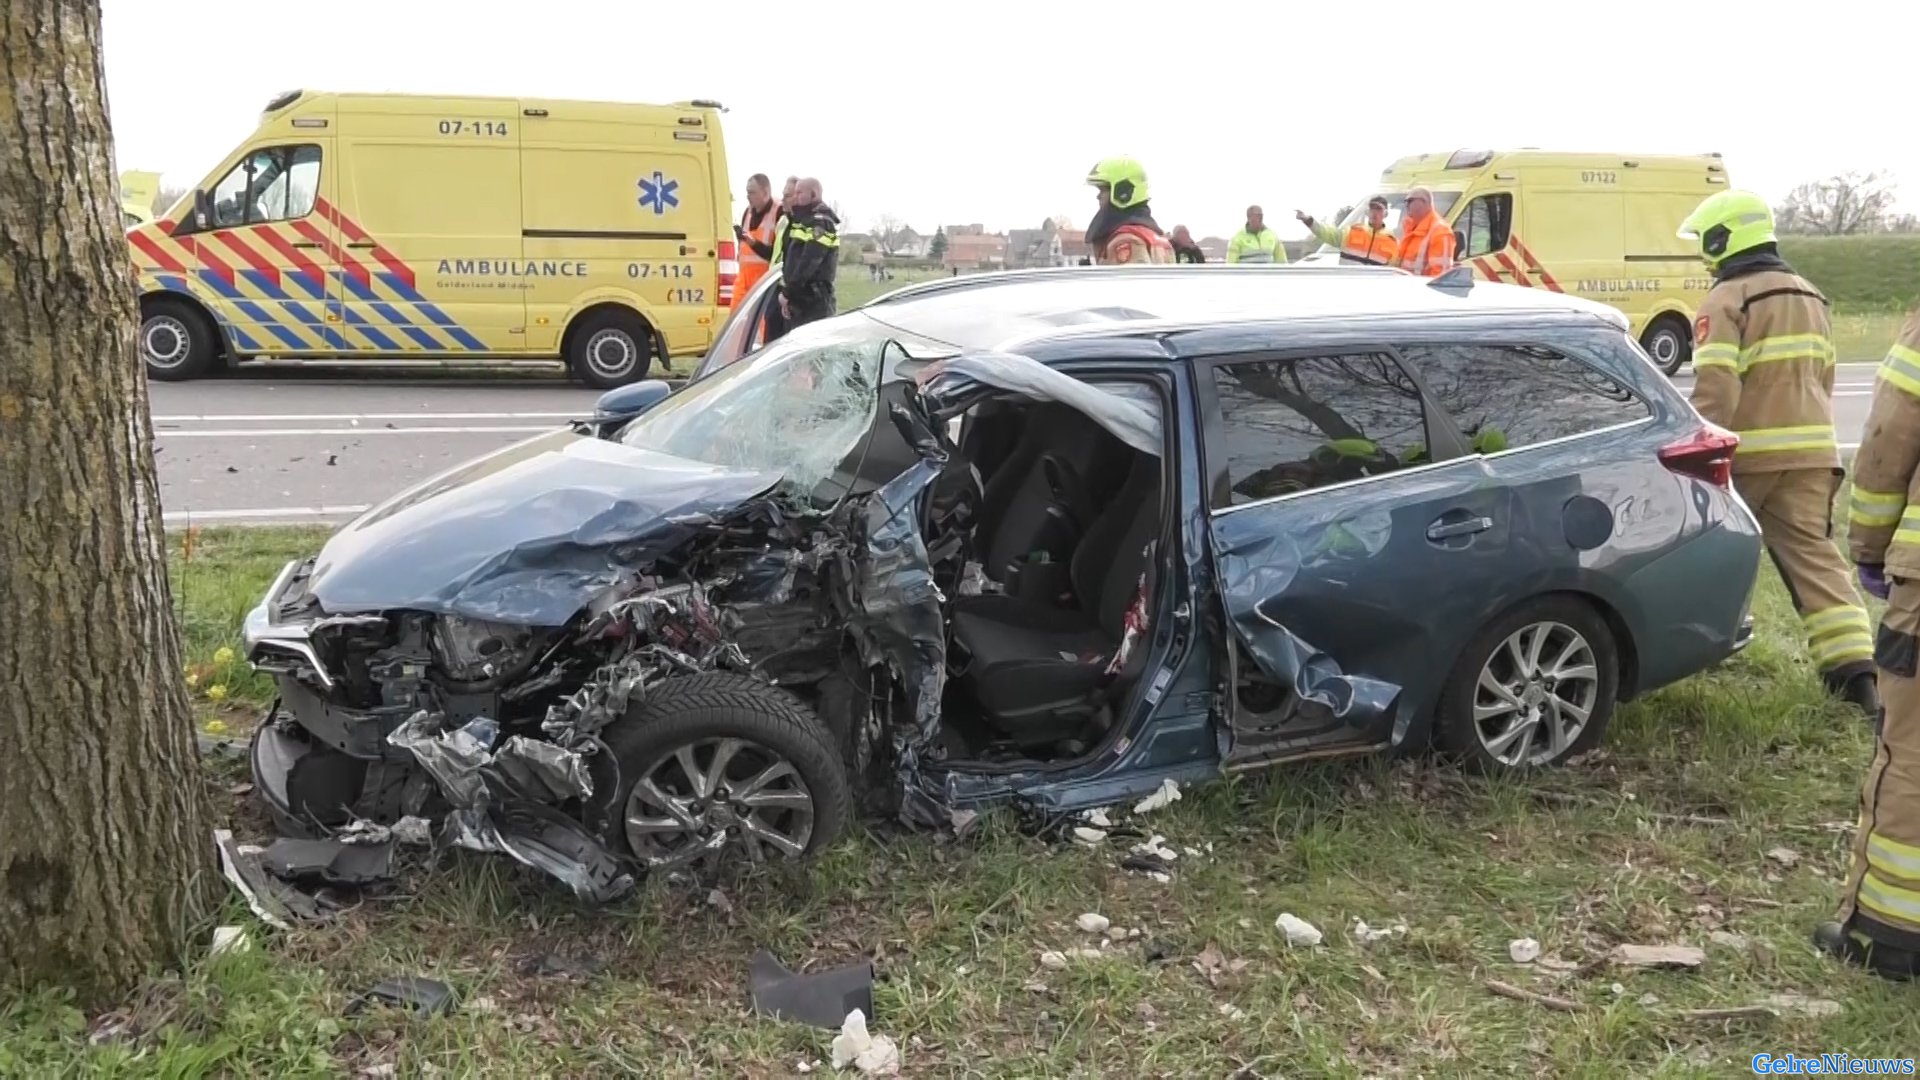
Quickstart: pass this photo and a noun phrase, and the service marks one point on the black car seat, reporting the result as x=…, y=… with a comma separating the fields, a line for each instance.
x=1037, y=670
x=1044, y=496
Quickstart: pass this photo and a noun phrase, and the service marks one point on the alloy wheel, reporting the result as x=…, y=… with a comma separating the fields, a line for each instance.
x=711, y=794
x=1536, y=694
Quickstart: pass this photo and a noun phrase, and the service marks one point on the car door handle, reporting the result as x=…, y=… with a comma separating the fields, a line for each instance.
x=1449, y=530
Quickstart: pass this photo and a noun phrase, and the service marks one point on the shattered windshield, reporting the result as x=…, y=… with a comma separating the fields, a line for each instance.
x=798, y=411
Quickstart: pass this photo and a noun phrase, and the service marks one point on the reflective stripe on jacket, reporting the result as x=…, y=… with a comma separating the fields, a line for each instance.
x=1263, y=247
x=754, y=264
x=1885, y=512
x=1763, y=368
x=1426, y=246
x=1362, y=241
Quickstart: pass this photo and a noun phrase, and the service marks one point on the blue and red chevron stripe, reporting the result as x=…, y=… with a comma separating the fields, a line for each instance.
x=265, y=274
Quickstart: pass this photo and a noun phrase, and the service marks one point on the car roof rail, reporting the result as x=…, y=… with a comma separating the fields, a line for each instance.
x=1458, y=279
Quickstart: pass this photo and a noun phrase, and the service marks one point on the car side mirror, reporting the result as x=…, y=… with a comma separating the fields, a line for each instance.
x=202, y=210
x=621, y=404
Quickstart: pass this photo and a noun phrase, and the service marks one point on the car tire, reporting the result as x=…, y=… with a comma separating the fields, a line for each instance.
x=1503, y=684
x=177, y=342
x=610, y=349
x=1669, y=344
x=698, y=716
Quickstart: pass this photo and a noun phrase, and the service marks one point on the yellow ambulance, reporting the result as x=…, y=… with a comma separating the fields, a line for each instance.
x=458, y=230
x=1599, y=226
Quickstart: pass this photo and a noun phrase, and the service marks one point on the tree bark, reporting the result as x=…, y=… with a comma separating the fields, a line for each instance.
x=106, y=858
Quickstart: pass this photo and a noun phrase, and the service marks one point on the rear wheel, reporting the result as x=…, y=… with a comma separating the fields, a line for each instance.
x=1668, y=343
x=718, y=763
x=176, y=341
x=609, y=349
x=1533, y=688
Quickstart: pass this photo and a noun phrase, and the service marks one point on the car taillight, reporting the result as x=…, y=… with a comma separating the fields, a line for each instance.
x=729, y=272
x=1707, y=454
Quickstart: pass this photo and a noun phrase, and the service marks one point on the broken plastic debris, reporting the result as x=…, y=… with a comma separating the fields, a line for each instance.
x=826, y=999
x=1099, y=819
x=413, y=832
x=329, y=862
x=426, y=997
x=1167, y=794
x=1523, y=950
x=873, y=1055
x=1087, y=837
x=1299, y=931
x=1093, y=923
x=1367, y=935
x=1156, y=848
x=228, y=939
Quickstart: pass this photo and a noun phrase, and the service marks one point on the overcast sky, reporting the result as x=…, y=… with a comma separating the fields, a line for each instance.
x=992, y=111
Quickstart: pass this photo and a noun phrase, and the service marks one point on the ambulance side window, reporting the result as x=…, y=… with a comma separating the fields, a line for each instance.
x=277, y=184
x=1486, y=223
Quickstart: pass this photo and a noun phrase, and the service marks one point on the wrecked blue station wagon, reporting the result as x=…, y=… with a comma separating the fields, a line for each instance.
x=1047, y=538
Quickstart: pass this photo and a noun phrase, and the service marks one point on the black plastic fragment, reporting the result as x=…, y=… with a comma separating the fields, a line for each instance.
x=329, y=862
x=425, y=997
x=822, y=998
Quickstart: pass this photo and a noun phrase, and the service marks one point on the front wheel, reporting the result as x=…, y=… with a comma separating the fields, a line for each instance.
x=1667, y=342
x=721, y=762
x=1533, y=688
x=176, y=342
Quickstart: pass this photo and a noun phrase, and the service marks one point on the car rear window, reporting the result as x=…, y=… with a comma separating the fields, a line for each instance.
x=1287, y=426
x=1511, y=396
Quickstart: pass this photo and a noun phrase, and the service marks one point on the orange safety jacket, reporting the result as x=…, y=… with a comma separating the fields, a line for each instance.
x=1363, y=241
x=1427, y=246
x=753, y=264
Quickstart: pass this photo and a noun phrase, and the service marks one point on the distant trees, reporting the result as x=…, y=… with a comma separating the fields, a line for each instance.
x=1843, y=205
x=938, y=248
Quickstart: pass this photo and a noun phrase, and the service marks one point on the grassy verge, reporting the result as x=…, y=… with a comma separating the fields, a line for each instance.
x=1859, y=272
x=1712, y=808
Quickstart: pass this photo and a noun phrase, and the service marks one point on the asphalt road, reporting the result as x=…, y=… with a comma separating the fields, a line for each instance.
x=278, y=448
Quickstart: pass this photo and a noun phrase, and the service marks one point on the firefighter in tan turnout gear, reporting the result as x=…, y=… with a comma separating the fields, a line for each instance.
x=1880, y=913
x=1763, y=365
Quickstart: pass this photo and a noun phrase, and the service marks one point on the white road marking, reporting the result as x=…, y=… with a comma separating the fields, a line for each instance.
x=274, y=418
x=262, y=433
x=291, y=513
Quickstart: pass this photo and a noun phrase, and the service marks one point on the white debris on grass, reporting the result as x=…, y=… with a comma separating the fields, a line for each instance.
x=1367, y=935
x=1657, y=956
x=1093, y=923
x=1523, y=950
x=1099, y=819
x=1299, y=931
x=1087, y=837
x=1786, y=857
x=873, y=1055
x=1167, y=794
x=1156, y=847
x=1819, y=1008
x=230, y=939
x=1053, y=960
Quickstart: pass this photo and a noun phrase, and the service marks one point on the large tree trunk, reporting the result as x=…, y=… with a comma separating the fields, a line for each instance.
x=106, y=859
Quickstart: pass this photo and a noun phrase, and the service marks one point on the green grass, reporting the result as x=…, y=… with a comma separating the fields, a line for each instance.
x=1859, y=273
x=217, y=576
x=855, y=287
x=1752, y=750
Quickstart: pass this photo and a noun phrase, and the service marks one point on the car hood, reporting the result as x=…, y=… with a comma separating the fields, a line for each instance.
x=529, y=534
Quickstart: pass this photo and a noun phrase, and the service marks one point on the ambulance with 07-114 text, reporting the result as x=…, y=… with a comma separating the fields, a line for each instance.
x=451, y=230
x=1599, y=226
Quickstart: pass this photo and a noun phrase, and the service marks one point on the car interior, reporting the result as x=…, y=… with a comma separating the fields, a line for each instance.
x=1058, y=558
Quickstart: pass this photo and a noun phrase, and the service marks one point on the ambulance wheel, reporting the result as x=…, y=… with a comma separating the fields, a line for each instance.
x=1668, y=343
x=176, y=341
x=609, y=349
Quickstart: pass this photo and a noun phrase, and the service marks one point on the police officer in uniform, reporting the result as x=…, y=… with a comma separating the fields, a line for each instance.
x=1879, y=924
x=1763, y=364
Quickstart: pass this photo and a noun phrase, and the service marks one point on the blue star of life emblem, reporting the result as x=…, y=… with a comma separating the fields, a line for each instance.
x=658, y=193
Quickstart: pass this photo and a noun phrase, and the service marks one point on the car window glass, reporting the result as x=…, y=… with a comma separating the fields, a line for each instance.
x=1504, y=397
x=1486, y=223
x=1397, y=202
x=279, y=184
x=1293, y=425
